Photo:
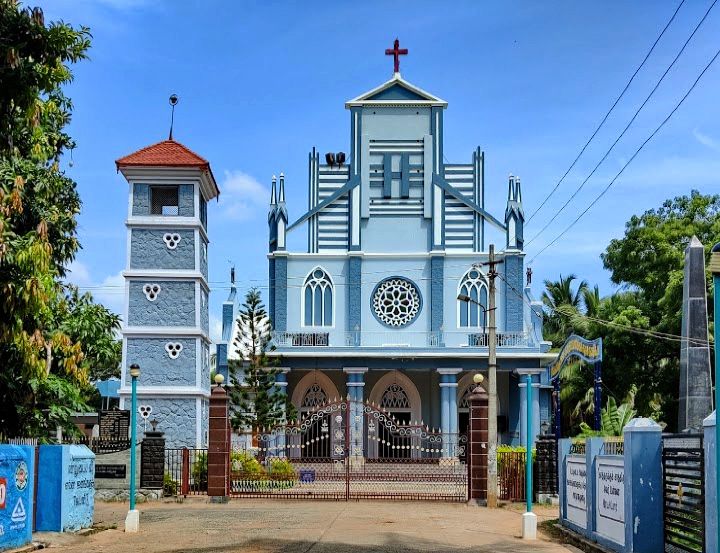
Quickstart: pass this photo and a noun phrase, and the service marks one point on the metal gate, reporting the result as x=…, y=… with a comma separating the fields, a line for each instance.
x=352, y=450
x=683, y=493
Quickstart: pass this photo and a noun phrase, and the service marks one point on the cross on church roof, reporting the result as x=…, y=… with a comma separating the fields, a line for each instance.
x=396, y=52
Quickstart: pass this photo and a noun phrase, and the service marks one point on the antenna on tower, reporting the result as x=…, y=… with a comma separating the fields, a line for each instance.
x=173, y=102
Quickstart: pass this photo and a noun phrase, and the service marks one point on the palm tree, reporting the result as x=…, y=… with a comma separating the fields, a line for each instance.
x=562, y=304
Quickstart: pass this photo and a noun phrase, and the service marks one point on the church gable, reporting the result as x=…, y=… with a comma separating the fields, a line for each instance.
x=397, y=92
x=397, y=89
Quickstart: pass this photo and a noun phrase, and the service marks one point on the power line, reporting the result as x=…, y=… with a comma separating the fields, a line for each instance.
x=602, y=193
x=636, y=330
x=624, y=90
x=632, y=120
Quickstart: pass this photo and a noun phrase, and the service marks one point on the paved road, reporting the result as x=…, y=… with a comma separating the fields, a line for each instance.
x=303, y=526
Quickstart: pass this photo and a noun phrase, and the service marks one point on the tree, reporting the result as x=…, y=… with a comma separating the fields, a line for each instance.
x=256, y=402
x=96, y=328
x=561, y=301
x=45, y=363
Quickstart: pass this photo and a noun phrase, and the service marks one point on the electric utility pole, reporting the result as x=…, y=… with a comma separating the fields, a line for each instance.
x=492, y=481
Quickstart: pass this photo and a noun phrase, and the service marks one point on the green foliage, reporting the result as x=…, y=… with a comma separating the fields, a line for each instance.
x=256, y=401
x=44, y=359
x=647, y=263
x=281, y=469
x=170, y=486
x=247, y=465
x=199, y=471
x=613, y=417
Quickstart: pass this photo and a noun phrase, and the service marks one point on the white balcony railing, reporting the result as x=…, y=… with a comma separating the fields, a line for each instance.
x=401, y=339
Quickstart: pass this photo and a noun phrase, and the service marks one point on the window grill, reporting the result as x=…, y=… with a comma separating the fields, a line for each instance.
x=164, y=200
x=395, y=397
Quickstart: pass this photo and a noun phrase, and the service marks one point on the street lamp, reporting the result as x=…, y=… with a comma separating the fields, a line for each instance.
x=132, y=521
x=715, y=270
x=468, y=299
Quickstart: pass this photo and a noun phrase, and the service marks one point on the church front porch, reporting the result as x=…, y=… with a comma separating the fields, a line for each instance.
x=434, y=399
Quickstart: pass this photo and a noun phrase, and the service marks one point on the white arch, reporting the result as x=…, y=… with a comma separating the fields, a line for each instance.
x=332, y=297
x=308, y=380
x=408, y=385
x=478, y=283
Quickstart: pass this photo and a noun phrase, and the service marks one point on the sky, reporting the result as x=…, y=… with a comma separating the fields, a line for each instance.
x=261, y=83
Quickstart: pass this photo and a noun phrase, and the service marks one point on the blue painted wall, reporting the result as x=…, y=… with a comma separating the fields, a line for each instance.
x=390, y=123
x=186, y=200
x=204, y=257
x=141, y=200
x=437, y=274
x=66, y=488
x=176, y=417
x=281, y=293
x=148, y=250
x=355, y=308
x=16, y=476
x=174, y=306
x=158, y=368
x=513, y=268
x=396, y=234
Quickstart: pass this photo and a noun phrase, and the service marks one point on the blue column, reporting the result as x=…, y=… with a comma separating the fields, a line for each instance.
x=711, y=506
x=535, y=406
x=643, y=486
x=281, y=387
x=593, y=447
x=449, y=409
x=355, y=386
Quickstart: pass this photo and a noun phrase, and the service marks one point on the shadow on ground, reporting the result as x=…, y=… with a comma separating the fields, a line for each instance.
x=393, y=543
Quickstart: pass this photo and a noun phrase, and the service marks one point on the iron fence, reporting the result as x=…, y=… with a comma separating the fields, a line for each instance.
x=683, y=493
x=186, y=472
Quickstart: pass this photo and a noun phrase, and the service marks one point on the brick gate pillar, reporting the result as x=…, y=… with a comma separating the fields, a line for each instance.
x=218, y=444
x=477, y=458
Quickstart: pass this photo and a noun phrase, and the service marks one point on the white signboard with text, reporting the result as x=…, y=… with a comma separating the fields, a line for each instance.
x=575, y=488
x=610, y=498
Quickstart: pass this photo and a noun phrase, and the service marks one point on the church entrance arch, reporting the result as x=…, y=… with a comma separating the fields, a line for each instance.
x=317, y=442
x=396, y=395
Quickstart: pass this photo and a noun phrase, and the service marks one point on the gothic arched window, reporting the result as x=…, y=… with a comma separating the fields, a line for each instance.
x=395, y=397
x=318, y=299
x=473, y=285
x=314, y=397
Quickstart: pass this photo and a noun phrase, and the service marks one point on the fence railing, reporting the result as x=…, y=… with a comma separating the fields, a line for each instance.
x=409, y=339
x=511, y=475
x=186, y=472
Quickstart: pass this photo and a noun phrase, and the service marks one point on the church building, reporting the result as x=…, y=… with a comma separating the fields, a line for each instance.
x=395, y=233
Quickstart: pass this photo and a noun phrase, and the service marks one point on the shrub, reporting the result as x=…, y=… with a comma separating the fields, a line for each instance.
x=199, y=472
x=281, y=469
x=170, y=486
x=243, y=462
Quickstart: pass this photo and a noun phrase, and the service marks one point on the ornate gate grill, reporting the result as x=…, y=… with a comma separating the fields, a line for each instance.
x=683, y=493
x=352, y=450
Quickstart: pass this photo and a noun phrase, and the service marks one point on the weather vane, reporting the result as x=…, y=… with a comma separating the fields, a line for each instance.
x=173, y=102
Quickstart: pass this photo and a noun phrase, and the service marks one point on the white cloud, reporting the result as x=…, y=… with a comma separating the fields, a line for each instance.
x=706, y=140
x=110, y=291
x=242, y=196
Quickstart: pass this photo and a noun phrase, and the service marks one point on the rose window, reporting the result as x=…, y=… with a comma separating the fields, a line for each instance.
x=396, y=302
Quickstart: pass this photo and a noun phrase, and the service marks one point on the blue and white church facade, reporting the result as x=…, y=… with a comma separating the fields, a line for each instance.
x=394, y=235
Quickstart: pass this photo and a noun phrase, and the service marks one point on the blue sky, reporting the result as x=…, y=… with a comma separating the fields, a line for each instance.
x=261, y=83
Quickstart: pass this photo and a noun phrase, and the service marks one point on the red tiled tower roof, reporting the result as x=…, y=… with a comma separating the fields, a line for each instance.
x=167, y=153
x=170, y=153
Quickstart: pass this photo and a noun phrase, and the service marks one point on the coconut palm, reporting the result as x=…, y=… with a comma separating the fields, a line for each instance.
x=562, y=304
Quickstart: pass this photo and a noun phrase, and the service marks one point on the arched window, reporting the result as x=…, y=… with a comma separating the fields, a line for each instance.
x=473, y=285
x=314, y=397
x=318, y=299
x=395, y=397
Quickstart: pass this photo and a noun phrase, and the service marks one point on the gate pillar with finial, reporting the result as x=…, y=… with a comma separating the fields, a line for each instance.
x=477, y=457
x=218, y=458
